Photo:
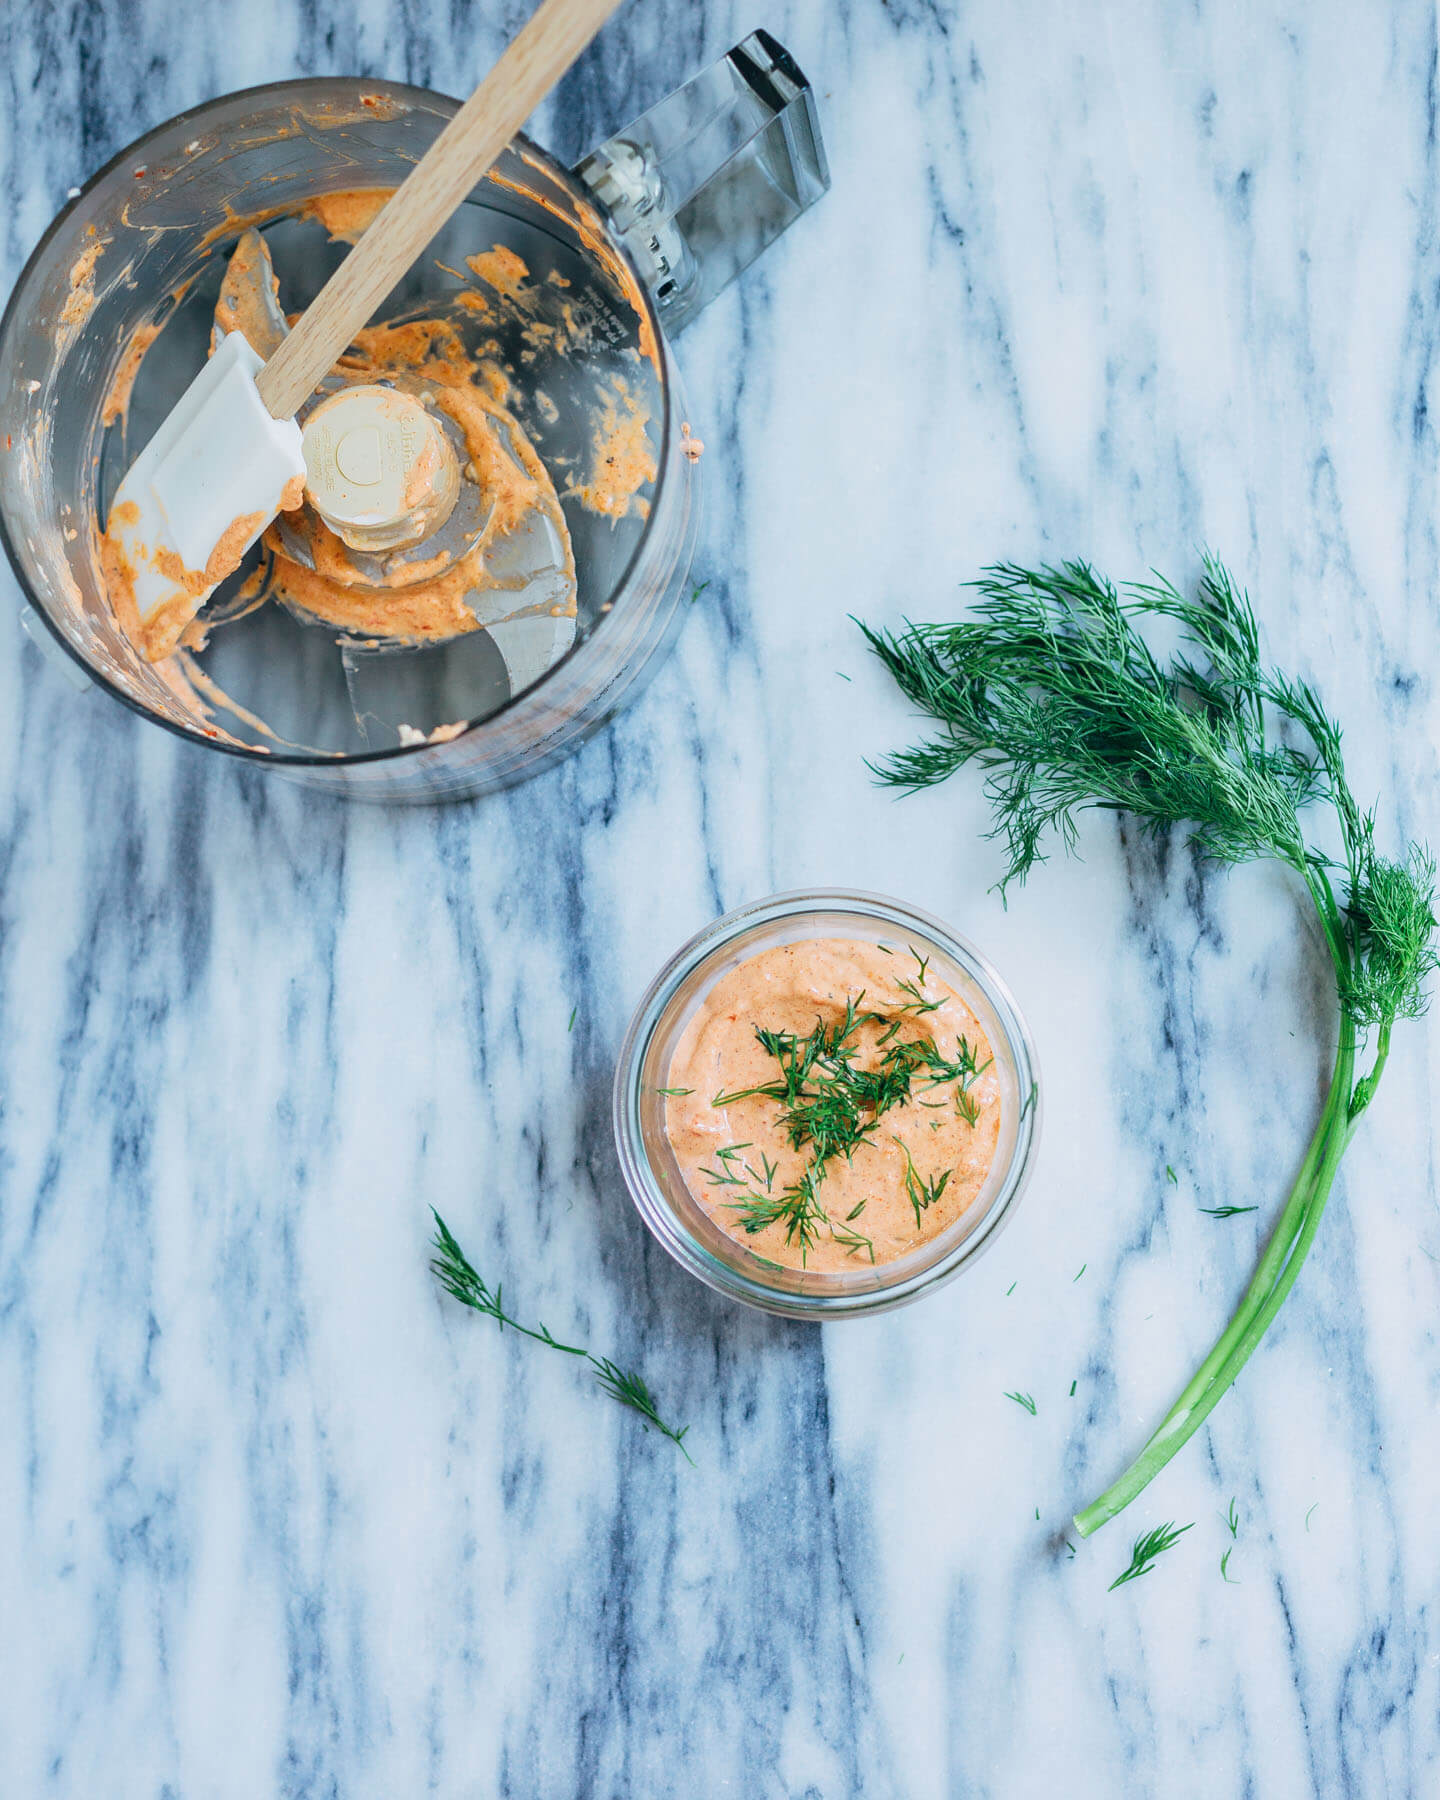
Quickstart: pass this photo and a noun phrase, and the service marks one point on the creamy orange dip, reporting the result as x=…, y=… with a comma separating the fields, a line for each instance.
x=898, y=1053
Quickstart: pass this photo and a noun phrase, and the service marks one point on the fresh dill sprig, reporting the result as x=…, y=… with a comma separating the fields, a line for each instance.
x=630, y=1390
x=1147, y=1548
x=464, y=1283
x=459, y=1277
x=1025, y=1400
x=1051, y=688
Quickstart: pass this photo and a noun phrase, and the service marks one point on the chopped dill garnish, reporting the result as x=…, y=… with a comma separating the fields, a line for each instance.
x=1079, y=1272
x=1232, y=1519
x=1025, y=1400
x=1171, y=1176
x=1225, y=1568
x=922, y=1194
x=831, y=1104
x=856, y=1210
x=852, y=1240
x=1307, y=1516
x=1073, y=1386
x=677, y=1093
x=1011, y=1289
x=1147, y=1548
x=1227, y=1212
x=573, y=1011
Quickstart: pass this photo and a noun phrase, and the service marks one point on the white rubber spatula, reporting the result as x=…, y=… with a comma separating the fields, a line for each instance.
x=218, y=470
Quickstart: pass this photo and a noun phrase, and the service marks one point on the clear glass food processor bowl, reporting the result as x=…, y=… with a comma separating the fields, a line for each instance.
x=145, y=246
x=652, y=1173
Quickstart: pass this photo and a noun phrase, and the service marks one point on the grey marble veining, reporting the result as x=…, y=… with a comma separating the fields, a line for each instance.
x=277, y=1517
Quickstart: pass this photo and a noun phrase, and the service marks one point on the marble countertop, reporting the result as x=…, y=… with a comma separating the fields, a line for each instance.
x=281, y=1519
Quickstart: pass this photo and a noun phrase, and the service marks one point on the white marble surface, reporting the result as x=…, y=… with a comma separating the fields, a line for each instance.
x=279, y=1519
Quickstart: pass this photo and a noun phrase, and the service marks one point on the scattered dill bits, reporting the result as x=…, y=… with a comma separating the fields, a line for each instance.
x=1073, y=1386
x=1171, y=1176
x=460, y=1279
x=852, y=1241
x=1227, y=1212
x=573, y=1011
x=1025, y=1400
x=841, y=673
x=1079, y=1272
x=1225, y=1568
x=697, y=591
x=1037, y=1512
x=856, y=1210
x=1307, y=1516
x=1232, y=1520
x=1147, y=1548
x=1011, y=1289
x=677, y=1093
x=1070, y=1547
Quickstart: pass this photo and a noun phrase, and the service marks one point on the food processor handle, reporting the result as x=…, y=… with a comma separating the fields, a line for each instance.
x=541, y=52
x=698, y=186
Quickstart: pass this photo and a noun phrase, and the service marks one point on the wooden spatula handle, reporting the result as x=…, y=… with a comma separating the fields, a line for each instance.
x=544, y=49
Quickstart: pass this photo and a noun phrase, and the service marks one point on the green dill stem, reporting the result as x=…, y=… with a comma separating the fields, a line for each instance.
x=1271, y=1282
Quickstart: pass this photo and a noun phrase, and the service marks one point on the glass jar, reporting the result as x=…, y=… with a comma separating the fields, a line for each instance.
x=653, y=1176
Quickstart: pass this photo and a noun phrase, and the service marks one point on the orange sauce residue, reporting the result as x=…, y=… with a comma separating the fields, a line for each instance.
x=623, y=458
x=501, y=269
x=117, y=396
x=427, y=601
x=82, y=281
x=345, y=215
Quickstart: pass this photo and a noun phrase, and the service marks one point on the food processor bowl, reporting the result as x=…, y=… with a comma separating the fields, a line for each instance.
x=112, y=317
